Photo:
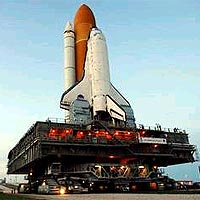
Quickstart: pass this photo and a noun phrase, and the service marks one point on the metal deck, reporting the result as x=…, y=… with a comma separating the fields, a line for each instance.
x=75, y=146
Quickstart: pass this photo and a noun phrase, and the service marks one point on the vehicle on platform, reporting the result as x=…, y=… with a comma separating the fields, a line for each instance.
x=23, y=188
x=196, y=185
x=49, y=186
x=73, y=185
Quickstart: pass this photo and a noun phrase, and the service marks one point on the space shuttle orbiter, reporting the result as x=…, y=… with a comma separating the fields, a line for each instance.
x=89, y=93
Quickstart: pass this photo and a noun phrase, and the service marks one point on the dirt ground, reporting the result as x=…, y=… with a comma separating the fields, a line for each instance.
x=116, y=197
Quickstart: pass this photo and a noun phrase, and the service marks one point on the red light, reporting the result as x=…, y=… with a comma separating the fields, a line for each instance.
x=96, y=133
x=127, y=135
x=53, y=130
x=67, y=131
x=53, y=133
x=109, y=137
x=155, y=145
x=110, y=156
x=116, y=133
x=102, y=133
x=80, y=135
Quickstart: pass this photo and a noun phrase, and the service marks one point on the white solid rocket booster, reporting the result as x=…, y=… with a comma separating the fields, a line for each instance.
x=69, y=60
x=69, y=56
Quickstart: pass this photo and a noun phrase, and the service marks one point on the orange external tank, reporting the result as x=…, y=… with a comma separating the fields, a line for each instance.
x=83, y=22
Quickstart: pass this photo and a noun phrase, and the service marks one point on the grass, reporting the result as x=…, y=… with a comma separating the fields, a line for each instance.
x=12, y=197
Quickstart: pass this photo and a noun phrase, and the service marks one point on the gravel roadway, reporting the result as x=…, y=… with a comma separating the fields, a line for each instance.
x=5, y=189
x=115, y=197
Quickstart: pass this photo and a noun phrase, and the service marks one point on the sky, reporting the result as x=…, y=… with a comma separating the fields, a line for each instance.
x=154, y=60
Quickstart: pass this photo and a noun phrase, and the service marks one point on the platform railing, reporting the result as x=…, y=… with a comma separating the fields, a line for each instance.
x=158, y=127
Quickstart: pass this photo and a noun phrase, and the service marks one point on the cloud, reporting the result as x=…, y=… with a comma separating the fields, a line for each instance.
x=184, y=20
